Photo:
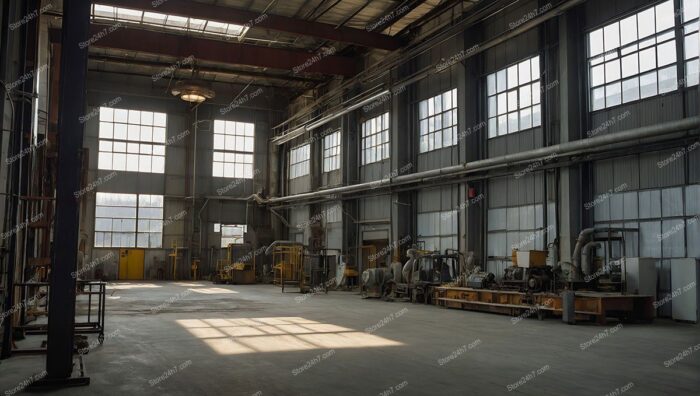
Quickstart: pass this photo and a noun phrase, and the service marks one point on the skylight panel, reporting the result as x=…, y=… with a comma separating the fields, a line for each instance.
x=103, y=11
x=167, y=21
x=127, y=14
x=217, y=27
x=176, y=21
x=154, y=18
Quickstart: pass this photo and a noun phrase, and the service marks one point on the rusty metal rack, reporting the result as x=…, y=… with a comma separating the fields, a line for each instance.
x=90, y=301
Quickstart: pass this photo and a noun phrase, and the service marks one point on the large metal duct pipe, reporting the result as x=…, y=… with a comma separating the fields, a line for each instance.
x=549, y=152
x=587, y=257
x=275, y=243
x=584, y=244
x=325, y=120
x=583, y=237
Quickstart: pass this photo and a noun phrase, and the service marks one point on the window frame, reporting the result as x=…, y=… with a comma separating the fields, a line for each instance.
x=427, y=112
x=499, y=92
x=139, y=219
x=229, y=157
x=137, y=141
x=332, y=152
x=299, y=166
x=442, y=217
x=373, y=129
x=689, y=27
x=222, y=227
x=601, y=57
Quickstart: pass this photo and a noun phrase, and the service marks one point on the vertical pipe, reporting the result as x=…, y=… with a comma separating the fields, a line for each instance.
x=6, y=264
x=72, y=94
x=21, y=124
x=194, y=188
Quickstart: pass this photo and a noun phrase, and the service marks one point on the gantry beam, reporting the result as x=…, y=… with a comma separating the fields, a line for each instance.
x=164, y=43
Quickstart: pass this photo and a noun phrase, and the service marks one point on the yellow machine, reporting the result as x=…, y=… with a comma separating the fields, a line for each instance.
x=176, y=256
x=288, y=264
x=238, y=267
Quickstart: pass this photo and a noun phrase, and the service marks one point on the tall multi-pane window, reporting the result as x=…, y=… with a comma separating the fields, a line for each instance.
x=331, y=152
x=633, y=58
x=514, y=98
x=132, y=140
x=299, y=161
x=375, y=139
x=233, y=149
x=231, y=233
x=437, y=118
x=128, y=220
x=438, y=230
x=150, y=221
x=690, y=31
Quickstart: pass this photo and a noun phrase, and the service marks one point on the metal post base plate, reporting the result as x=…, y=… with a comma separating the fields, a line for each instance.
x=77, y=379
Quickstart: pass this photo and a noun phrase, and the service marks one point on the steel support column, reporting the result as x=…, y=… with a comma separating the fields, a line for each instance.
x=72, y=94
x=569, y=202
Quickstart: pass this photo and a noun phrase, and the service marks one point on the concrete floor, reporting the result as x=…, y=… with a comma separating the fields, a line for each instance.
x=188, y=338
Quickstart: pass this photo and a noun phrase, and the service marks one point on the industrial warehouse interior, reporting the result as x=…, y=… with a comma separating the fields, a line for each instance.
x=350, y=197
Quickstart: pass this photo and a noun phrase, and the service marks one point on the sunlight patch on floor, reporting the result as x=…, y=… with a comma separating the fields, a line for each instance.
x=186, y=284
x=213, y=290
x=278, y=334
x=128, y=286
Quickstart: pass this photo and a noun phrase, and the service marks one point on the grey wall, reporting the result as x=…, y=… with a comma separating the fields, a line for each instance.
x=543, y=200
x=218, y=199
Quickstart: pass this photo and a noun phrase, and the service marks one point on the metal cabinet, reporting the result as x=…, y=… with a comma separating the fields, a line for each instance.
x=685, y=276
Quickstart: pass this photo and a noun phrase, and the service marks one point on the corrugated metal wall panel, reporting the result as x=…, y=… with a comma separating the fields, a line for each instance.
x=376, y=208
x=660, y=109
x=649, y=204
x=672, y=202
x=693, y=234
x=694, y=166
x=626, y=173
x=692, y=200
x=653, y=176
x=538, y=188
x=375, y=171
x=498, y=192
x=298, y=215
x=516, y=142
x=333, y=178
x=438, y=158
x=300, y=185
x=630, y=205
x=603, y=176
x=334, y=236
x=429, y=200
x=522, y=141
x=498, y=146
x=691, y=102
x=513, y=191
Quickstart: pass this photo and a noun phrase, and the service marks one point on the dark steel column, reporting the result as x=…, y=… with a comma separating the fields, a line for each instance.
x=72, y=93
